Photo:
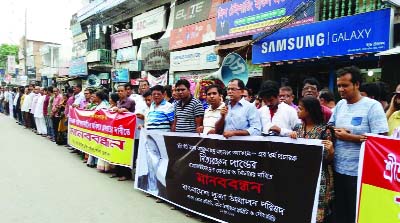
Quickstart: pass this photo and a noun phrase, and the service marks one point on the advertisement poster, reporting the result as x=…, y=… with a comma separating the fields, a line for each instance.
x=155, y=55
x=194, y=34
x=247, y=17
x=78, y=67
x=120, y=75
x=121, y=40
x=243, y=179
x=203, y=58
x=327, y=38
x=106, y=135
x=150, y=22
x=379, y=180
x=127, y=54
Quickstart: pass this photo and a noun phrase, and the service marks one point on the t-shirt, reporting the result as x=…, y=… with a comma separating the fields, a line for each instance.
x=364, y=116
x=185, y=115
x=159, y=117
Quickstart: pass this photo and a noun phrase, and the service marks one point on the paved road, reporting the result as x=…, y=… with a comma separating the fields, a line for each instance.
x=41, y=182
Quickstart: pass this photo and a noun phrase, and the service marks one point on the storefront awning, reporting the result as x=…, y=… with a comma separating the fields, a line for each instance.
x=392, y=51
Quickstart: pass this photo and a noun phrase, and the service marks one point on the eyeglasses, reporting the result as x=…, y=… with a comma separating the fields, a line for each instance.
x=232, y=89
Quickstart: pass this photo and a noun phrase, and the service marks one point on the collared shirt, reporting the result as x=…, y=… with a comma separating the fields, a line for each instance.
x=160, y=117
x=185, y=115
x=83, y=104
x=46, y=105
x=140, y=108
x=79, y=98
x=50, y=106
x=294, y=106
x=35, y=98
x=211, y=117
x=127, y=103
x=364, y=116
x=57, y=101
x=394, y=122
x=70, y=102
x=243, y=116
x=327, y=113
x=285, y=118
x=26, y=103
x=16, y=99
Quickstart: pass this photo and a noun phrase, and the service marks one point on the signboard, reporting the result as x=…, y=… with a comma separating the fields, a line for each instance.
x=121, y=40
x=247, y=17
x=78, y=67
x=194, y=34
x=236, y=180
x=379, y=180
x=120, y=75
x=79, y=38
x=194, y=11
x=76, y=29
x=126, y=54
x=11, y=65
x=79, y=49
x=31, y=72
x=202, y=58
x=155, y=55
x=103, y=134
x=327, y=38
x=150, y=22
x=93, y=56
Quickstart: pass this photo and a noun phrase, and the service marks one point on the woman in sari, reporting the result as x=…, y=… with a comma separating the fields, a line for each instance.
x=312, y=127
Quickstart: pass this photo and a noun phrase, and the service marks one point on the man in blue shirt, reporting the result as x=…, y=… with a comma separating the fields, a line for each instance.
x=353, y=117
x=239, y=117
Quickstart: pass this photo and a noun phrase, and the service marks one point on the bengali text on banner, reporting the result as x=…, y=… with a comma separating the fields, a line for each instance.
x=379, y=180
x=106, y=135
x=242, y=179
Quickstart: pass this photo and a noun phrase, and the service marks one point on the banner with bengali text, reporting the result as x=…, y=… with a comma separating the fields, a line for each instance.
x=106, y=135
x=379, y=180
x=241, y=179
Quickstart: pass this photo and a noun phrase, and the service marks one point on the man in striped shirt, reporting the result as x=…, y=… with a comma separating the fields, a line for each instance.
x=161, y=113
x=188, y=110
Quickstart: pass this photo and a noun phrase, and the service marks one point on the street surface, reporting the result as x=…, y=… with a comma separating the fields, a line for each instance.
x=41, y=182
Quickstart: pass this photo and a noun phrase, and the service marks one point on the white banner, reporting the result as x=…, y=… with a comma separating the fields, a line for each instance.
x=161, y=80
x=150, y=22
x=203, y=58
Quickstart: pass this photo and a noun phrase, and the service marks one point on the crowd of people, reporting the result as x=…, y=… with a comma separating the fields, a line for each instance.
x=232, y=111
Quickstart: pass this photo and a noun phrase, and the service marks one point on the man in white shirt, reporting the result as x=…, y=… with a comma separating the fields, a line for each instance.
x=79, y=96
x=140, y=110
x=212, y=113
x=277, y=118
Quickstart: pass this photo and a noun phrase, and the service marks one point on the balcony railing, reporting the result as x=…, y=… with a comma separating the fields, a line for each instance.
x=331, y=9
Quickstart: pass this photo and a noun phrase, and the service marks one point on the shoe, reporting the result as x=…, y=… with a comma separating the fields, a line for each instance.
x=74, y=151
x=114, y=176
x=123, y=179
x=159, y=201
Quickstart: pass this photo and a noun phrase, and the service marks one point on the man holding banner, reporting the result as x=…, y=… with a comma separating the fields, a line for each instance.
x=353, y=117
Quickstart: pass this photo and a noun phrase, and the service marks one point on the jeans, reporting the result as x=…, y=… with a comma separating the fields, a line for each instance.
x=49, y=126
x=345, y=198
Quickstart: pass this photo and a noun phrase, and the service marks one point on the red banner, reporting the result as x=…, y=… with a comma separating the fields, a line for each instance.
x=379, y=183
x=103, y=134
x=194, y=34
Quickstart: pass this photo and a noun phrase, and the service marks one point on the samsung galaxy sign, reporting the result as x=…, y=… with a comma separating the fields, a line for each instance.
x=363, y=33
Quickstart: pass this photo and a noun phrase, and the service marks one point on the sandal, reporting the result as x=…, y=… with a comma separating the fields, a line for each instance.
x=114, y=176
x=122, y=179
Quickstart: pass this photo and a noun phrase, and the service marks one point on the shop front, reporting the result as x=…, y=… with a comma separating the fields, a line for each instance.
x=319, y=49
